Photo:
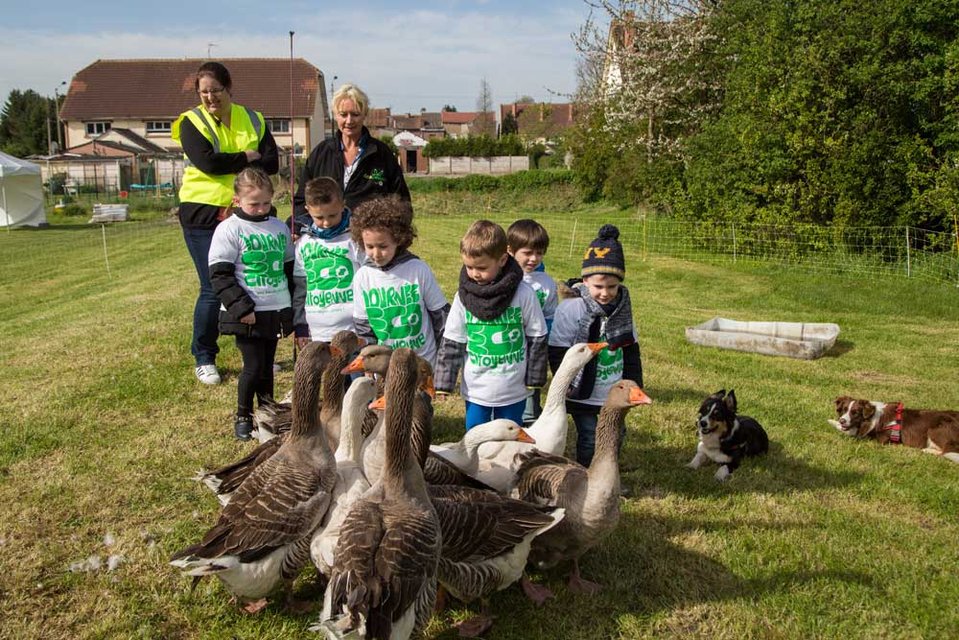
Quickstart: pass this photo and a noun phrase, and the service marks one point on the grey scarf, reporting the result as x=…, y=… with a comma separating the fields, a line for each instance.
x=617, y=327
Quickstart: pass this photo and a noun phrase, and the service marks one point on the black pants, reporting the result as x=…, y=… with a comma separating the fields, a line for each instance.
x=256, y=379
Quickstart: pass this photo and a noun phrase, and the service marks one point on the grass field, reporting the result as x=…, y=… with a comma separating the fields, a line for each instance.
x=103, y=424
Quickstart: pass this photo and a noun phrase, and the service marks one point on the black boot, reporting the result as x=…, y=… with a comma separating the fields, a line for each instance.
x=243, y=429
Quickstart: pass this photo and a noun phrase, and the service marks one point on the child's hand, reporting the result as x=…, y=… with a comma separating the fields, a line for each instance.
x=249, y=318
x=442, y=396
x=302, y=342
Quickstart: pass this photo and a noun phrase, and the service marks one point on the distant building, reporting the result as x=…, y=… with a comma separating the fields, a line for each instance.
x=145, y=97
x=459, y=124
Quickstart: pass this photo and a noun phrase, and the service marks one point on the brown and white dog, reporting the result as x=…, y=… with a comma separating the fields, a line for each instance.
x=890, y=423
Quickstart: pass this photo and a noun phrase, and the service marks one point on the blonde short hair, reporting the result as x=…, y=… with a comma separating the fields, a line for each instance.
x=352, y=92
x=484, y=238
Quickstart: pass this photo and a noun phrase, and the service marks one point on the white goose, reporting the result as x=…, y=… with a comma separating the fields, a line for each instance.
x=590, y=496
x=351, y=483
x=496, y=459
x=384, y=573
x=262, y=538
x=456, y=463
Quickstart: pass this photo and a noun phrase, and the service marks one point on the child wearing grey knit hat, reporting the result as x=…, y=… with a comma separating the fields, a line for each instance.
x=598, y=311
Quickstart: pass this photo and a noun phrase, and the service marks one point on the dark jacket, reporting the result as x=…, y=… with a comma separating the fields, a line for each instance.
x=200, y=152
x=377, y=173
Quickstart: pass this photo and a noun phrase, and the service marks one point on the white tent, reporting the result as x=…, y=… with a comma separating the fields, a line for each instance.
x=21, y=193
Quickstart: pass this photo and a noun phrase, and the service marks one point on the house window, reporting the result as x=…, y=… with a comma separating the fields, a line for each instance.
x=96, y=128
x=158, y=126
x=278, y=126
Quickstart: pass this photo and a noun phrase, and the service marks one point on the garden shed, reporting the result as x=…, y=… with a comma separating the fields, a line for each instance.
x=21, y=193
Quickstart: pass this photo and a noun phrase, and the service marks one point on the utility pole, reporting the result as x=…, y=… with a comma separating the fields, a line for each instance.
x=332, y=118
x=56, y=104
x=49, y=143
x=209, y=47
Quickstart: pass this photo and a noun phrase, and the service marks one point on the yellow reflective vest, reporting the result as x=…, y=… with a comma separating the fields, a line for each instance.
x=246, y=130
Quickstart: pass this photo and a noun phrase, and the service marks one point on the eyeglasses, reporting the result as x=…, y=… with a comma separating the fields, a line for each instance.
x=211, y=92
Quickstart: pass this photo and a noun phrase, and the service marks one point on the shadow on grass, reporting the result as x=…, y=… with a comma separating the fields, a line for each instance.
x=654, y=469
x=840, y=348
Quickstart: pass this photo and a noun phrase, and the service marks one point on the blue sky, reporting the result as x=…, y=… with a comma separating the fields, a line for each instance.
x=406, y=55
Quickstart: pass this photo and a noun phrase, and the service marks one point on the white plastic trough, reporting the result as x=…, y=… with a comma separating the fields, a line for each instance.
x=805, y=340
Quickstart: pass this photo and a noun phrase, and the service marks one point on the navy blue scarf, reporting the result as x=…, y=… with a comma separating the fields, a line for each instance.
x=332, y=232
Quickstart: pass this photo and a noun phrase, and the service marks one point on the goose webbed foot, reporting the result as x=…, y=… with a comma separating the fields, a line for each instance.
x=578, y=584
x=475, y=626
x=255, y=606
x=535, y=592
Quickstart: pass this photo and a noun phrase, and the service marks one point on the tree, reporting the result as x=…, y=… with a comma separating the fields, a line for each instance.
x=657, y=85
x=485, y=123
x=448, y=108
x=24, y=121
x=509, y=125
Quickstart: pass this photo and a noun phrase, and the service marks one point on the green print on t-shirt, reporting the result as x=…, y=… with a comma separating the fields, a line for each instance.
x=490, y=343
x=609, y=363
x=541, y=295
x=395, y=314
x=263, y=258
x=329, y=274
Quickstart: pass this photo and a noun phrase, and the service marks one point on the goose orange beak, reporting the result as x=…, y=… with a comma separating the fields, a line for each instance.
x=379, y=404
x=525, y=437
x=638, y=396
x=429, y=388
x=356, y=366
x=596, y=347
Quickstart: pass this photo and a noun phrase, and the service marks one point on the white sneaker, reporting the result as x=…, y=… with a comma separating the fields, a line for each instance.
x=207, y=374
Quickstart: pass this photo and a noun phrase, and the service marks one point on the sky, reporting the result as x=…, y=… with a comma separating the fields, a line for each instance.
x=405, y=55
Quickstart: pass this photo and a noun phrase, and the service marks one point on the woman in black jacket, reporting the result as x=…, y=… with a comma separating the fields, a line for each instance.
x=364, y=166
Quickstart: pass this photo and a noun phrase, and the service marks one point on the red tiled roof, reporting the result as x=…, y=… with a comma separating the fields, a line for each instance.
x=163, y=89
x=459, y=117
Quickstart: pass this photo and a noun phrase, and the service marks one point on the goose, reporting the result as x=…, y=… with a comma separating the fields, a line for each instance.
x=457, y=462
x=272, y=419
x=486, y=541
x=497, y=459
x=590, y=496
x=262, y=537
x=225, y=480
x=384, y=573
x=373, y=360
x=374, y=447
x=351, y=482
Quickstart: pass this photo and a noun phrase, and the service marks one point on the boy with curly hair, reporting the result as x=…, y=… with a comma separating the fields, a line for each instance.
x=396, y=299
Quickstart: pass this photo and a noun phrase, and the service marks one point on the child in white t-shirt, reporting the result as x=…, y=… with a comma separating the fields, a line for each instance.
x=496, y=325
x=251, y=268
x=396, y=299
x=326, y=261
x=527, y=241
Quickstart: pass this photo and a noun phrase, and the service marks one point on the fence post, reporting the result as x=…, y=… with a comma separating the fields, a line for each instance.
x=106, y=254
x=908, y=256
x=573, y=238
x=734, y=243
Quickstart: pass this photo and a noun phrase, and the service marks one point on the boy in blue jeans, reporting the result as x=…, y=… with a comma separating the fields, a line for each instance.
x=495, y=330
x=598, y=311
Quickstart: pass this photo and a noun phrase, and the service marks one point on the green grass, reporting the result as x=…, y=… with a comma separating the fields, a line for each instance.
x=102, y=425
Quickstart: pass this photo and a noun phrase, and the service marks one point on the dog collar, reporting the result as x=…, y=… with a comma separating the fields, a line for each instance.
x=895, y=427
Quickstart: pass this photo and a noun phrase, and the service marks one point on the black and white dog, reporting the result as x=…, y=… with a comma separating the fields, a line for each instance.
x=724, y=437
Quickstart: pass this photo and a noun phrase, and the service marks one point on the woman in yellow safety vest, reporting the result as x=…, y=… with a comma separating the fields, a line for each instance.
x=219, y=139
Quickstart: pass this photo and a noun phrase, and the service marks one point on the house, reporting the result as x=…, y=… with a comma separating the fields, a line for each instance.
x=459, y=124
x=539, y=121
x=145, y=96
x=117, y=160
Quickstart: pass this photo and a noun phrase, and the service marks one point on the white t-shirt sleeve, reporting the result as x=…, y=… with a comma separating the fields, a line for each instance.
x=533, y=321
x=359, y=284
x=552, y=302
x=225, y=245
x=565, y=323
x=433, y=297
x=288, y=252
x=456, y=322
x=298, y=270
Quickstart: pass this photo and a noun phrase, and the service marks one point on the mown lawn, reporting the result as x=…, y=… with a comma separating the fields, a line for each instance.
x=103, y=424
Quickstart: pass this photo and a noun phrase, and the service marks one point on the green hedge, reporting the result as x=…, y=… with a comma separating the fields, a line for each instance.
x=481, y=183
x=475, y=147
